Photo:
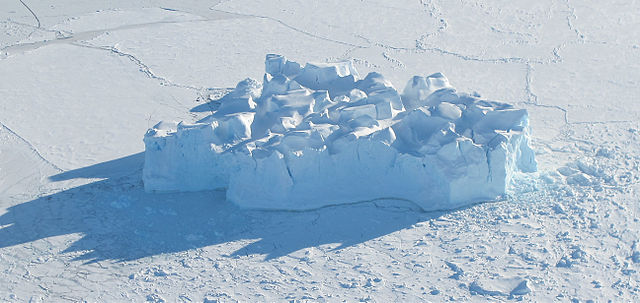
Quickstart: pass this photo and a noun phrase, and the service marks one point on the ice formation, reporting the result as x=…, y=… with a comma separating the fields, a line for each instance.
x=318, y=135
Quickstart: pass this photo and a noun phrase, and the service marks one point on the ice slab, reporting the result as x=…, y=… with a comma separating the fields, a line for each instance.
x=318, y=135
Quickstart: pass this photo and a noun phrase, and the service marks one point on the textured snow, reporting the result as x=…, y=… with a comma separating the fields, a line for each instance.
x=318, y=135
x=81, y=81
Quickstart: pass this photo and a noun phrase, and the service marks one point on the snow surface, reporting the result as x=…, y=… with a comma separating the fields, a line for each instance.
x=317, y=135
x=80, y=81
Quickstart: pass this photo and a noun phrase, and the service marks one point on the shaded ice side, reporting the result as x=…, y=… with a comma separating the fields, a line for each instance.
x=318, y=135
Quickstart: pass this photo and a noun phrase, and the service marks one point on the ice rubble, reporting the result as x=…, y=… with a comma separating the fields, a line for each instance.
x=318, y=135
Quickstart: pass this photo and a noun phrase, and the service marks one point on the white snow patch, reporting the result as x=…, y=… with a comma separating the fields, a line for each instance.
x=318, y=135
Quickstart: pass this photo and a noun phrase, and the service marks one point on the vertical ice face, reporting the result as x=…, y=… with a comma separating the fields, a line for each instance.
x=318, y=135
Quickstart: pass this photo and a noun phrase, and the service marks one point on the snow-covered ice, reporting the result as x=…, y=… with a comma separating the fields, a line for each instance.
x=81, y=82
x=319, y=135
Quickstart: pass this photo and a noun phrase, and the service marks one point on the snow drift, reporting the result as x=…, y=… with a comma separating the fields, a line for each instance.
x=318, y=135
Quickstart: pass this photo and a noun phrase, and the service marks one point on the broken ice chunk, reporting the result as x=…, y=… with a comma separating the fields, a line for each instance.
x=448, y=111
x=419, y=88
x=337, y=78
x=232, y=128
x=247, y=88
x=278, y=65
x=374, y=82
x=304, y=130
x=352, y=112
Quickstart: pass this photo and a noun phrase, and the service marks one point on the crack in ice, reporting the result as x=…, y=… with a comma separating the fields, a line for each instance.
x=31, y=146
x=572, y=16
x=32, y=13
x=291, y=28
x=533, y=98
x=143, y=67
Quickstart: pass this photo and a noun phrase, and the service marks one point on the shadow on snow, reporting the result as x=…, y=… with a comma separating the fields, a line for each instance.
x=117, y=220
x=210, y=106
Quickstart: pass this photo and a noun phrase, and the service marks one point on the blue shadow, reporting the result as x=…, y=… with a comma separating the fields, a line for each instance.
x=117, y=220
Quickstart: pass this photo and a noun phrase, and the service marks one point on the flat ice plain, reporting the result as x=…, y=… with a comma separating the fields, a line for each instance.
x=318, y=135
x=80, y=82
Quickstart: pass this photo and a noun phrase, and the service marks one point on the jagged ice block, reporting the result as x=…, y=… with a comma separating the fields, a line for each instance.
x=318, y=135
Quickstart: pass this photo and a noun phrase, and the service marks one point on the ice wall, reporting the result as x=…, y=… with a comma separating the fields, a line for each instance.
x=317, y=135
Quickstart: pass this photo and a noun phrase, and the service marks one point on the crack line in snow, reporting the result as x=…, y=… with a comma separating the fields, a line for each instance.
x=33, y=148
x=35, y=28
x=393, y=61
x=70, y=37
x=420, y=48
x=374, y=203
x=556, y=53
x=29, y=25
x=143, y=67
x=533, y=98
x=419, y=44
x=602, y=122
x=572, y=16
x=490, y=60
x=292, y=28
x=347, y=53
x=31, y=11
x=434, y=12
x=533, y=101
x=497, y=30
